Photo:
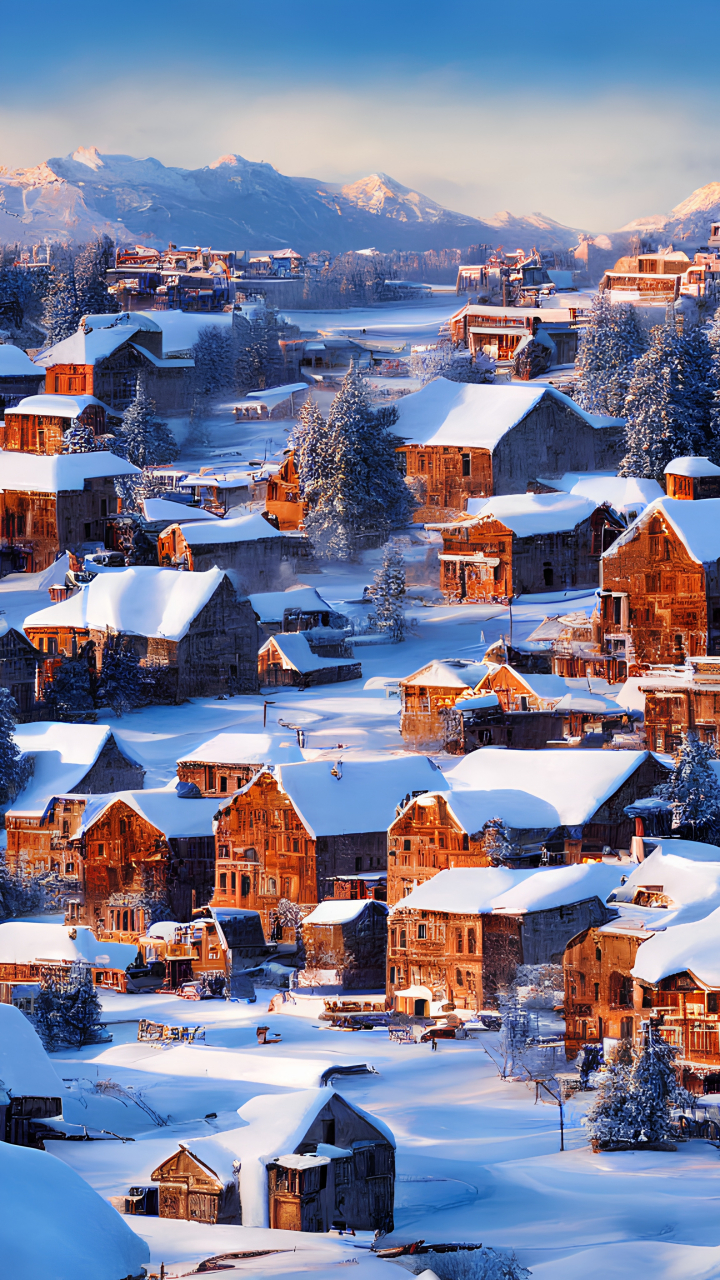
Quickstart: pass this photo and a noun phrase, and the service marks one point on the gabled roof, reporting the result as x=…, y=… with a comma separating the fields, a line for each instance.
x=164, y=509
x=15, y=363
x=363, y=798
x=481, y=890
x=63, y=754
x=25, y=1068
x=298, y=656
x=87, y=348
x=694, y=947
x=475, y=415
x=173, y=816
x=58, y=473
x=252, y=528
x=532, y=514
x=247, y=748
x=340, y=910
x=448, y=673
x=545, y=686
x=697, y=525
x=141, y=600
x=271, y=605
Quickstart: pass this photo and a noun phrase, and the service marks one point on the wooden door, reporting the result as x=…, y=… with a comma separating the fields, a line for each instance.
x=203, y=1206
x=173, y=1200
x=286, y=1213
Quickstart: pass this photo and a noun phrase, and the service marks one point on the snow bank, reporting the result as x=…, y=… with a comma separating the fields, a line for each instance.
x=56, y=406
x=363, y=798
x=689, y=880
x=38, y=473
x=25, y=1068
x=55, y=1227
x=164, y=509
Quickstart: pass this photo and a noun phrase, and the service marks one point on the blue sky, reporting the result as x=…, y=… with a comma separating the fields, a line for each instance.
x=591, y=114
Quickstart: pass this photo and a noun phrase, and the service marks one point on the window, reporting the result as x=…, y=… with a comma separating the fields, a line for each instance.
x=617, y=608
x=667, y=548
x=244, y=886
x=581, y=980
x=66, y=827
x=123, y=826
x=548, y=575
x=466, y=464
x=272, y=885
x=422, y=931
x=393, y=973
x=223, y=784
x=238, y=783
x=459, y=977
x=442, y=842
x=69, y=868
x=52, y=646
x=224, y=851
x=358, y=864
x=712, y=1002
x=472, y=943
x=393, y=937
x=233, y=882
x=296, y=846
x=211, y=779
x=597, y=991
x=101, y=850
x=407, y=846
x=403, y=938
x=598, y=954
x=458, y=942
x=466, y=842
x=223, y=881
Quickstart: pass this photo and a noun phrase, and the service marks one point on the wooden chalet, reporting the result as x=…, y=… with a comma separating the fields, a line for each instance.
x=19, y=376
x=572, y=803
x=192, y=630
x=106, y=356
x=38, y=423
x=222, y=491
x=18, y=669
x=525, y=543
x=258, y=555
x=691, y=479
x=291, y=833
x=283, y=496
x=140, y=852
x=660, y=589
x=659, y=277
x=482, y=722
x=227, y=762
x=501, y=333
x=51, y=503
x=428, y=697
x=466, y=440
x=345, y=944
x=288, y=659
x=214, y=943
x=461, y=935
x=31, y=1091
x=306, y=1162
x=297, y=609
x=577, y=648
x=32, y=951
x=680, y=701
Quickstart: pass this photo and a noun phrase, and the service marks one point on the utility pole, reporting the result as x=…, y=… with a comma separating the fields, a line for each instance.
x=266, y=704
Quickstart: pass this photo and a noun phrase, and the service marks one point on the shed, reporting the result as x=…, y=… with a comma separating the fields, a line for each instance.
x=257, y=554
x=287, y=659
x=345, y=944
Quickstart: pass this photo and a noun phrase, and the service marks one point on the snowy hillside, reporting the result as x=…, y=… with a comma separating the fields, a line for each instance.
x=690, y=220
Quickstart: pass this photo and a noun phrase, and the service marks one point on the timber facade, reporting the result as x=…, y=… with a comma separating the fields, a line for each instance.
x=674, y=707
x=36, y=526
x=282, y=498
x=18, y=669
x=42, y=433
x=462, y=959
x=261, y=564
x=352, y=952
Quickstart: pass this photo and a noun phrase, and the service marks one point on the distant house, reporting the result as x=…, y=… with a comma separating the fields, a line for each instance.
x=38, y=423
x=248, y=546
x=466, y=440
x=192, y=629
x=291, y=833
x=215, y=941
x=30, y=951
x=692, y=479
x=462, y=934
x=525, y=543
x=297, y=609
x=49, y=504
x=227, y=762
x=221, y=491
x=30, y=1089
x=283, y=499
x=287, y=659
x=680, y=701
x=345, y=944
x=19, y=376
x=427, y=697
x=106, y=355
x=273, y=402
x=521, y=690
x=657, y=277
x=18, y=668
x=305, y=1161
x=480, y=721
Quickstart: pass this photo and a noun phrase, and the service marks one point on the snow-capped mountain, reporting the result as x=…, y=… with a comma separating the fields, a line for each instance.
x=237, y=203
x=690, y=220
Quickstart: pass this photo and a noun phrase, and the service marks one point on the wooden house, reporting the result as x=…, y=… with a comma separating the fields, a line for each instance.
x=49, y=504
x=462, y=934
x=570, y=802
x=680, y=701
x=258, y=556
x=297, y=609
x=18, y=668
x=31, y=951
x=288, y=659
x=660, y=588
x=577, y=648
x=283, y=496
x=525, y=543
x=213, y=942
x=229, y=489
x=19, y=376
x=661, y=277
x=427, y=698
x=227, y=762
x=521, y=690
x=691, y=479
x=193, y=630
x=482, y=722
x=473, y=440
x=290, y=834
x=501, y=333
x=30, y=1088
x=38, y=423
x=140, y=852
x=345, y=944
x=105, y=357
x=305, y=1162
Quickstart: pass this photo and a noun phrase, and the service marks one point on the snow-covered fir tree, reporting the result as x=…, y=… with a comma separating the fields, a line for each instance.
x=91, y=267
x=634, y=1105
x=46, y=1013
x=123, y=683
x=497, y=843
x=148, y=441
x=445, y=361
x=388, y=592
x=693, y=790
x=258, y=357
x=79, y=438
x=69, y=695
x=309, y=441
x=668, y=402
x=14, y=768
x=609, y=1120
x=62, y=311
x=361, y=489
x=610, y=344
x=20, y=895
x=79, y=1011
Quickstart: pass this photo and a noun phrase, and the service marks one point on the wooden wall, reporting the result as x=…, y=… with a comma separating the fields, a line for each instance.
x=445, y=477
x=283, y=496
x=356, y=949
x=463, y=959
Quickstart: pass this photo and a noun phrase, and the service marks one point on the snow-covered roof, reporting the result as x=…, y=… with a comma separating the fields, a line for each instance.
x=55, y=1224
x=569, y=784
x=480, y=890
x=270, y=606
x=694, y=947
x=448, y=673
x=58, y=473
x=339, y=911
x=247, y=748
x=283, y=391
x=297, y=654
x=273, y=1124
x=475, y=415
x=87, y=348
x=690, y=880
x=588, y=703
x=63, y=754
x=57, y=406
x=532, y=514
x=624, y=493
x=548, y=687
x=142, y=601
x=252, y=528
x=481, y=702
x=25, y=1069
x=164, y=809
x=15, y=363
x=164, y=509
x=691, y=467
x=363, y=798
x=697, y=524
x=27, y=942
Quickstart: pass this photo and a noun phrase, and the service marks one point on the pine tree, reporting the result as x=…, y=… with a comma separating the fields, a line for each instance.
x=258, y=358
x=20, y=895
x=497, y=844
x=69, y=695
x=62, y=311
x=693, y=790
x=148, y=441
x=123, y=683
x=388, y=591
x=45, y=1014
x=78, y=1011
x=609, y=1121
x=91, y=267
x=610, y=344
x=79, y=438
x=445, y=362
x=668, y=405
x=309, y=441
x=14, y=770
x=634, y=1106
